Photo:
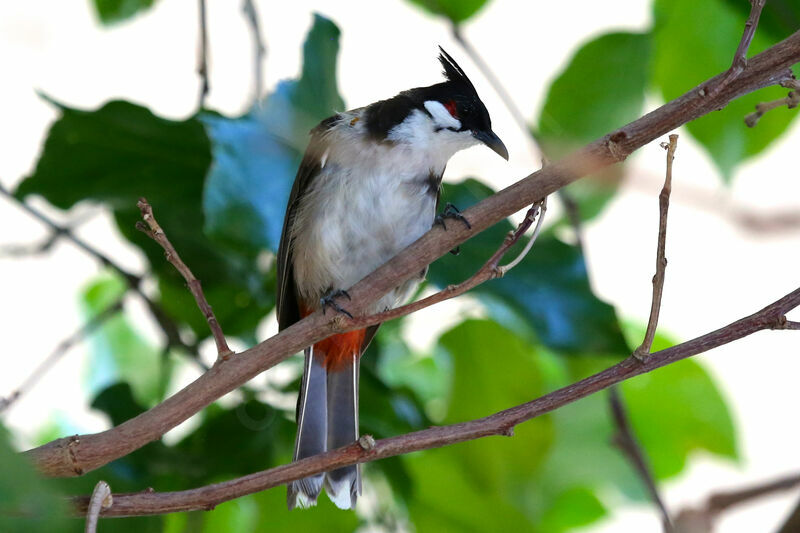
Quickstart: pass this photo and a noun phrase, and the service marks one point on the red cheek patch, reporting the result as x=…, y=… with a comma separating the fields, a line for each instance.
x=451, y=108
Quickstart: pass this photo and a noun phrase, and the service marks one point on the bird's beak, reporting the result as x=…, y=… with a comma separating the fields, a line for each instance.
x=490, y=139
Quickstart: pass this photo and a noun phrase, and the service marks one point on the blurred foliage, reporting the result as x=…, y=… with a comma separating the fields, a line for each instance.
x=114, y=11
x=456, y=11
x=219, y=186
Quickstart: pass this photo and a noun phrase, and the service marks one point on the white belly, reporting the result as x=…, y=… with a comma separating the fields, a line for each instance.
x=348, y=224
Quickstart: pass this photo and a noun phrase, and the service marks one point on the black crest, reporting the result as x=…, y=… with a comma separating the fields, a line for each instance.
x=453, y=72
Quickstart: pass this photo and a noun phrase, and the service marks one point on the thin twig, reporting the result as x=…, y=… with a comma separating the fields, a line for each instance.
x=59, y=351
x=202, y=56
x=134, y=282
x=73, y=456
x=740, y=56
x=790, y=101
x=497, y=424
x=625, y=440
x=260, y=48
x=154, y=231
x=722, y=501
x=490, y=270
x=661, y=257
x=101, y=499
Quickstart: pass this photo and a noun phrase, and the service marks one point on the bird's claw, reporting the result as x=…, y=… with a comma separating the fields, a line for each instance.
x=450, y=211
x=329, y=300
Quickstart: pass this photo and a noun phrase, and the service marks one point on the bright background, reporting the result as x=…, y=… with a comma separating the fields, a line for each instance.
x=720, y=269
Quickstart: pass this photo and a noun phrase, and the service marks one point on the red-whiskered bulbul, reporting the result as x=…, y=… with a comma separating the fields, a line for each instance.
x=367, y=187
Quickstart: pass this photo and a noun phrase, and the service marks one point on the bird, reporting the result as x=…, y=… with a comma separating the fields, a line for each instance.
x=367, y=186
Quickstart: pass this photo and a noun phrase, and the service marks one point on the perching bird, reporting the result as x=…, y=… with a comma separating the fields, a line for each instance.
x=367, y=187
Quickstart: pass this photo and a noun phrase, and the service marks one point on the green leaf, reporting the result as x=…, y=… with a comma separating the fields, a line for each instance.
x=256, y=156
x=114, y=11
x=601, y=88
x=456, y=10
x=688, y=50
x=27, y=502
x=572, y=508
x=120, y=152
x=478, y=389
x=549, y=290
x=118, y=352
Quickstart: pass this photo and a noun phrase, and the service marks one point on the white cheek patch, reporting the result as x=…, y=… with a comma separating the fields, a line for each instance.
x=441, y=116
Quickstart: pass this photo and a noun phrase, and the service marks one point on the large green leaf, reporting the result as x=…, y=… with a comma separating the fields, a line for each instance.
x=549, y=290
x=256, y=156
x=113, y=11
x=27, y=502
x=690, y=49
x=456, y=10
x=471, y=486
x=120, y=152
x=601, y=88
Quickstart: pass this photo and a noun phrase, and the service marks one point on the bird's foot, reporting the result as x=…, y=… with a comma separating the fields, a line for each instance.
x=451, y=211
x=329, y=300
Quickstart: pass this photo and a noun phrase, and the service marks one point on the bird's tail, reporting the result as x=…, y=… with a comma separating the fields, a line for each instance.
x=327, y=418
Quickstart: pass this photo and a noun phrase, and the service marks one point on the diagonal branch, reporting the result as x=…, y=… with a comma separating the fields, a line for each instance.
x=790, y=101
x=661, y=257
x=134, y=282
x=59, y=352
x=626, y=441
x=490, y=270
x=154, y=231
x=500, y=423
x=75, y=455
x=740, y=57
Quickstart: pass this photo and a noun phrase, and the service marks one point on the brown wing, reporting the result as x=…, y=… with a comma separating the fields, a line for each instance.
x=286, y=298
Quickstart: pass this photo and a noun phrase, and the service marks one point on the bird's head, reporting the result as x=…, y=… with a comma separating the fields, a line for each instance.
x=448, y=116
x=457, y=110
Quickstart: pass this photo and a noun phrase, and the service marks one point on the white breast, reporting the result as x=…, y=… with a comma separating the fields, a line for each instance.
x=370, y=201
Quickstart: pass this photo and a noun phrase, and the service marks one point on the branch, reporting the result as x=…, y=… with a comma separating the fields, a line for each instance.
x=702, y=519
x=75, y=455
x=500, y=423
x=157, y=234
x=790, y=101
x=59, y=352
x=101, y=499
x=202, y=58
x=740, y=57
x=792, y=523
x=260, y=51
x=133, y=281
x=661, y=258
x=626, y=441
x=490, y=270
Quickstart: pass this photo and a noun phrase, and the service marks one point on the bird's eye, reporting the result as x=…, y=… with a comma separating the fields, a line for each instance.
x=450, y=105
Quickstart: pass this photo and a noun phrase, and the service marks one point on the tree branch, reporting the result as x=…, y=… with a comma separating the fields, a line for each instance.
x=133, y=281
x=500, y=423
x=790, y=101
x=154, y=231
x=75, y=455
x=490, y=270
x=740, y=57
x=59, y=352
x=260, y=49
x=792, y=523
x=661, y=257
x=202, y=56
x=626, y=441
